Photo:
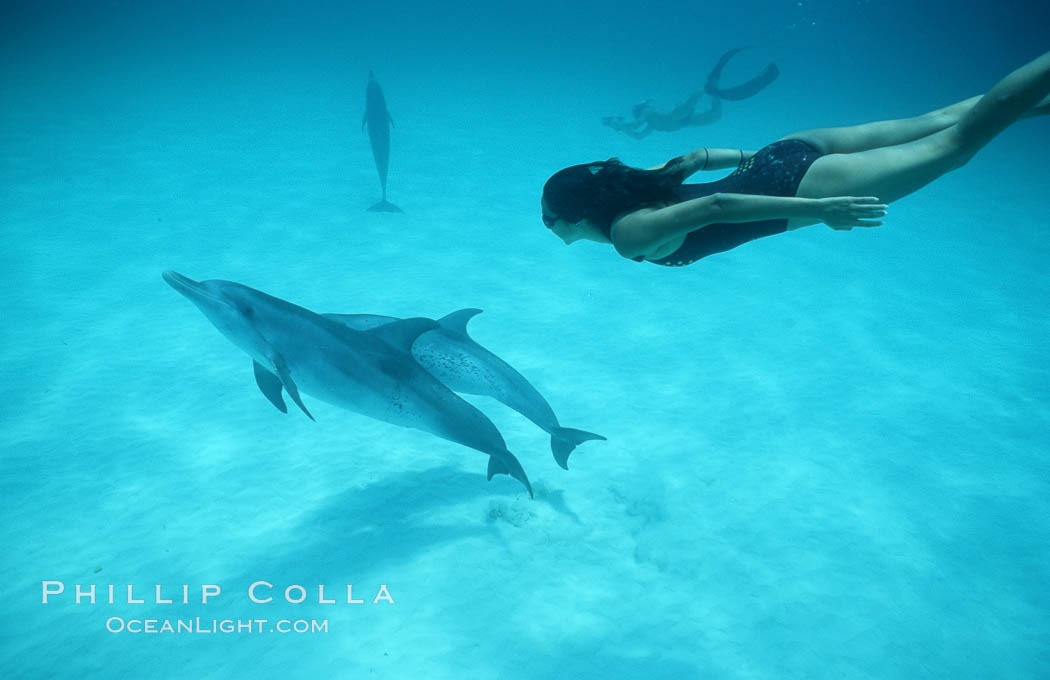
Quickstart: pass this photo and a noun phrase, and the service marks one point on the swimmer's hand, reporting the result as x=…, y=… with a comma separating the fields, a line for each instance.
x=845, y=212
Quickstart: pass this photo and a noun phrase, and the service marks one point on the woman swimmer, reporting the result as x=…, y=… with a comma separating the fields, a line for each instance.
x=830, y=176
x=646, y=118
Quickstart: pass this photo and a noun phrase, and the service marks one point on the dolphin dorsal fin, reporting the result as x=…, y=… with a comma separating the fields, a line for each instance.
x=401, y=334
x=456, y=322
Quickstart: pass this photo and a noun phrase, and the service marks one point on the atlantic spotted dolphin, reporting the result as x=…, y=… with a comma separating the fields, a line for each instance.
x=454, y=358
x=378, y=121
x=296, y=351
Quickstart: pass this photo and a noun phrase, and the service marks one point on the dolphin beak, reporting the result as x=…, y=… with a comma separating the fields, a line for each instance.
x=191, y=289
x=184, y=285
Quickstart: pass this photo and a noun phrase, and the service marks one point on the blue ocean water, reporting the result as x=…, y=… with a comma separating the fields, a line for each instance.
x=827, y=451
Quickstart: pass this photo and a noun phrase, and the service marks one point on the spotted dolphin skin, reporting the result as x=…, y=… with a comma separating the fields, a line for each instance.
x=296, y=351
x=378, y=121
x=452, y=356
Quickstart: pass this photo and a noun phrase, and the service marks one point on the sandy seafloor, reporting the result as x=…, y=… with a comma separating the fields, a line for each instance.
x=827, y=451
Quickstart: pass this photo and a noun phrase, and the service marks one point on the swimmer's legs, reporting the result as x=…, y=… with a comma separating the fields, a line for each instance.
x=895, y=171
x=711, y=115
x=855, y=138
x=1010, y=99
x=683, y=111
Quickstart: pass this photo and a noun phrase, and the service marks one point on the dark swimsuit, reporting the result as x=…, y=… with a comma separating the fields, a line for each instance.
x=775, y=170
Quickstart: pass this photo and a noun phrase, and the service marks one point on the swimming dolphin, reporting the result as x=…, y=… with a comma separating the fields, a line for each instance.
x=744, y=90
x=379, y=122
x=298, y=351
x=453, y=357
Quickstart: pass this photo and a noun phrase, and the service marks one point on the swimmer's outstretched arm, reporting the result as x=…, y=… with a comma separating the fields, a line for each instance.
x=711, y=159
x=644, y=231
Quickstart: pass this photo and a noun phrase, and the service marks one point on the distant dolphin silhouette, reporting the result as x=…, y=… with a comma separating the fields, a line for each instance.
x=379, y=122
x=294, y=349
x=451, y=355
x=744, y=90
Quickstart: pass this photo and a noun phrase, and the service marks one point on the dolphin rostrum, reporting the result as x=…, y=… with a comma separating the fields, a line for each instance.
x=454, y=358
x=378, y=121
x=299, y=352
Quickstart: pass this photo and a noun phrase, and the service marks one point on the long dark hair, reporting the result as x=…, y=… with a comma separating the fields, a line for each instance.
x=599, y=192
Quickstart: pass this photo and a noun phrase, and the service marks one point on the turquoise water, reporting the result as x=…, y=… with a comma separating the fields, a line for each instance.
x=827, y=451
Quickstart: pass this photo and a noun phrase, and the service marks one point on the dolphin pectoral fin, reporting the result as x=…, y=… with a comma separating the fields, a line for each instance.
x=270, y=385
x=509, y=465
x=401, y=334
x=289, y=385
x=456, y=322
x=564, y=441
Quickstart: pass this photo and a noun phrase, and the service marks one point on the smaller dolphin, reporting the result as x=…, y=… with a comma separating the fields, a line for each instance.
x=744, y=90
x=379, y=122
x=294, y=350
x=451, y=355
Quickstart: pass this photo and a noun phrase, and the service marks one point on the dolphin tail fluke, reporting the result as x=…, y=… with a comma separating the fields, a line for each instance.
x=564, y=441
x=385, y=206
x=509, y=466
x=496, y=468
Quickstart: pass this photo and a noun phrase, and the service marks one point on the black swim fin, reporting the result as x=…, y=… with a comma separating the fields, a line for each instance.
x=743, y=91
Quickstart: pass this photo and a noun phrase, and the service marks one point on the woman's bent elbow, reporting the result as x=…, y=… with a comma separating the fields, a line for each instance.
x=716, y=204
x=629, y=240
x=628, y=249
